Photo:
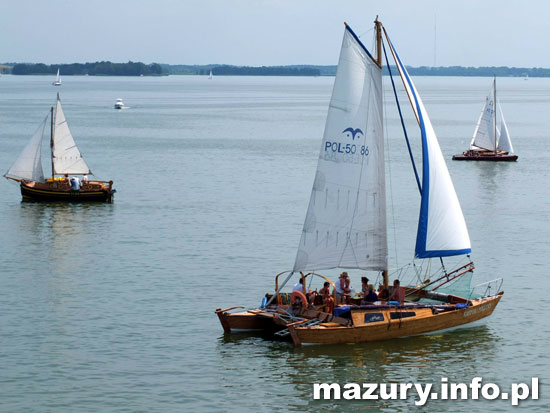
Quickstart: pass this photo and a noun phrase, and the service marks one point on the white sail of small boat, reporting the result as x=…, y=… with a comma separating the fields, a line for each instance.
x=28, y=165
x=504, y=142
x=484, y=133
x=57, y=81
x=67, y=159
x=210, y=76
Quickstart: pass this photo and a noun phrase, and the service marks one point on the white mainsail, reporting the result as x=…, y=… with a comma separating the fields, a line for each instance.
x=345, y=225
x=484, y=133
x=504, y=142
x=66, y=156
x=28, y=165
x=442, y=229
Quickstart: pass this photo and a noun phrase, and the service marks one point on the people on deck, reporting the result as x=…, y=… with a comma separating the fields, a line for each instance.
x=299, y=286
x=383, y=293
x=371, y=296
x=343, y=288
x=75, y=183
x=328, y=300
x=398, y=292
x=364, y=287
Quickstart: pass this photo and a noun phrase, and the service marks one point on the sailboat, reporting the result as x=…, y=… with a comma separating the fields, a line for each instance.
x=488, y=142
x=57, y=81
x=210, y=76
x=69, y=180
x=345, y=225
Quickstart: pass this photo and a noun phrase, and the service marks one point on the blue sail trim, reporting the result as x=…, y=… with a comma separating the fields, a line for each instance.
x=421, y=236
x=444, y=253
x=360, y=43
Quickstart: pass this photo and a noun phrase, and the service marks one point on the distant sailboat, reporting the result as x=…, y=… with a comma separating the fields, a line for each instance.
x=57, y=81
x=489, y=143
x=66, y=160
x=210, y=76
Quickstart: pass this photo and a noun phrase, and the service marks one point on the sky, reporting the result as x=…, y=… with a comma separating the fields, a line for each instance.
x=273, y=32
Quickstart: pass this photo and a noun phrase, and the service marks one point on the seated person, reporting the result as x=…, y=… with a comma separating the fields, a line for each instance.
x=383, y=293
x=299, y=286
x=328, y=300
x=364, y=287
x=398, y=292
x=371, y=296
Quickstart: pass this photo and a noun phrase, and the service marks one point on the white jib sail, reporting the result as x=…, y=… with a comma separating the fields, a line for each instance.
x=484, y=133
x=28, y=165
x=345, y=224
x=442, y=229
x=504, y=142
x=66, y=156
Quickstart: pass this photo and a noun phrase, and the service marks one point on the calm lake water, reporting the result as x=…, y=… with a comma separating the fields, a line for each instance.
x=111, y=307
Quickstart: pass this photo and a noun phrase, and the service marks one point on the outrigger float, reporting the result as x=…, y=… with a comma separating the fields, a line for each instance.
x=345, y=225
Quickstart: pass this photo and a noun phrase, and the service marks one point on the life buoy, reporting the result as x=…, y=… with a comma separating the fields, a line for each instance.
x=298, y=295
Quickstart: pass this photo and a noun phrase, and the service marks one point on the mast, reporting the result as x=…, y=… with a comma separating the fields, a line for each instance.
x=495, y=109
x=378, y=26
x=51, y=139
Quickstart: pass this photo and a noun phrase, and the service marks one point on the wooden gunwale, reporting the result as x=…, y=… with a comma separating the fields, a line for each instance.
x=388, y=329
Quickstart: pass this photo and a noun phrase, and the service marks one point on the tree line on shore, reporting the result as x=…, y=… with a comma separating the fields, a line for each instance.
x=92, y=69
x=141, y=69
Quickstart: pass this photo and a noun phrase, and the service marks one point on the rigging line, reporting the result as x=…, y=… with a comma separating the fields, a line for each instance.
x=402, y=121
x=391, y=182
x=367, y=32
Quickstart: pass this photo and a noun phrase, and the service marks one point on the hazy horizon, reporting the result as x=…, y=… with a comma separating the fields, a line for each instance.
x=270, y=33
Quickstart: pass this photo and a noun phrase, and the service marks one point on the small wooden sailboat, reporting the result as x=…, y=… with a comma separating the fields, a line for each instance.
x=345, y=225
x=57, y=81
x=488, y=142
x=66, y=161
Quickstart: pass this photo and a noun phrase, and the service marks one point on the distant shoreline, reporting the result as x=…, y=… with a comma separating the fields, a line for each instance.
x=155, y=69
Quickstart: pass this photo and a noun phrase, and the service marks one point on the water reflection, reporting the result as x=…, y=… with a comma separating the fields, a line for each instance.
x=457, y=354
x=61, y=233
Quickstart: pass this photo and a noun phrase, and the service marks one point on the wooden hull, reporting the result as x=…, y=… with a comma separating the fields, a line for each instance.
x=42, y=192
x=424, y=321
x=245, y=320
x=486, y=157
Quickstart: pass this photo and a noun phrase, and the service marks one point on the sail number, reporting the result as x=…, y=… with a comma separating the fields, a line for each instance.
x=348, y=148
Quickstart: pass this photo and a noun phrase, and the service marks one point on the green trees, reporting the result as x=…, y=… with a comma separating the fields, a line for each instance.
x=92, y=69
